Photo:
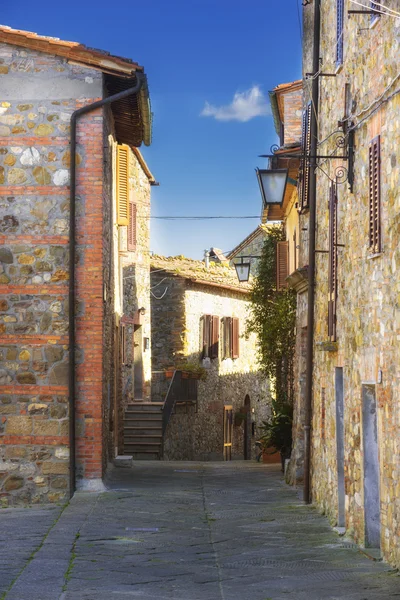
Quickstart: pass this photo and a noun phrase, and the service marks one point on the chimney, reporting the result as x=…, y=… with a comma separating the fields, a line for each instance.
x=206, y=259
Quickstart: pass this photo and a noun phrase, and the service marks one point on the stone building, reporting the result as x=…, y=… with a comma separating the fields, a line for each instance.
x=59, y=409
x=355, y=408
x=199, y=320
x=250, y=246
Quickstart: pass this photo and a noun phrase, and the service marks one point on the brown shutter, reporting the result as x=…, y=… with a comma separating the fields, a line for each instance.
x=332, y=267
x=214, y=337
x=235, y=337
x=227, y=336
x=122, y=185
x=282, y=264
x=132, y=227
x=304, y=182
x=375, y=195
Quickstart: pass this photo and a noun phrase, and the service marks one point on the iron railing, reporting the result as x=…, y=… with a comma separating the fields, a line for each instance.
x=182, y=389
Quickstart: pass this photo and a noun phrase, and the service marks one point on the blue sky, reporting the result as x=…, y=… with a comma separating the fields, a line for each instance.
x=194, y=52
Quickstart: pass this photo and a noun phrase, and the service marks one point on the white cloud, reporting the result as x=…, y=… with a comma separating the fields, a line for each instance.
x=244, y=106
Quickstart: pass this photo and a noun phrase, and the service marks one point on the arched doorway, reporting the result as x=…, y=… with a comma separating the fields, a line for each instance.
x=247, y=429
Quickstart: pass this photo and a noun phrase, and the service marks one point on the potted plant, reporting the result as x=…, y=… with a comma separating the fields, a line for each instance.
x=169, y=372
x=277, y=431
x=192, y=370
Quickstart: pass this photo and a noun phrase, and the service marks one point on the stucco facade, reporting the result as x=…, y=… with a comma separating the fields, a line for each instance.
x=177, y=325
x=39, y=92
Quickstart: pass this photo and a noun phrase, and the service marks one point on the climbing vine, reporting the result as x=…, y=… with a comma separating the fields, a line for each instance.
x=272, y=318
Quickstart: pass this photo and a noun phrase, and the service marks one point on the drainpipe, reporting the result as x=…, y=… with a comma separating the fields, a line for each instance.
x=72, y=241
x=311, y=258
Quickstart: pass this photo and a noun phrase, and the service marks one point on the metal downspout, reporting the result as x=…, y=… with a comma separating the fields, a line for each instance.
x=72, y=241
x=311, y=259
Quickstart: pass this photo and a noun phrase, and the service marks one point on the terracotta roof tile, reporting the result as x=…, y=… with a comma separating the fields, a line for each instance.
x=71, y=50
x=216, y=275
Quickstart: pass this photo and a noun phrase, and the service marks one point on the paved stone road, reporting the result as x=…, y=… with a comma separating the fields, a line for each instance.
x=191, y=531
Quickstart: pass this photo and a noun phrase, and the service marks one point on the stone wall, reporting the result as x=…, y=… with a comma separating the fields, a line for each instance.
x=136, y=285
x=253, y=248
x=39, y=92
x=368, y=292
x=199, y=436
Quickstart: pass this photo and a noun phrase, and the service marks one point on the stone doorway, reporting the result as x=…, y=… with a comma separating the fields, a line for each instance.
x=339, y=397
x=371, y=467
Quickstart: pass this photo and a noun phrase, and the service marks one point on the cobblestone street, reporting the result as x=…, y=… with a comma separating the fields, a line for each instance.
x=164, y=531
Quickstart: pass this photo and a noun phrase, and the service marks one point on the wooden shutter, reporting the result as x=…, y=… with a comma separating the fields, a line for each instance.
x=235, y=337
x=339, y=31
x=332, y=267
x=227, y=327
x=214, y=350
x=132, y=227
x=375, y=195
x=304, y=175
x=282, y=264
x=122, y=185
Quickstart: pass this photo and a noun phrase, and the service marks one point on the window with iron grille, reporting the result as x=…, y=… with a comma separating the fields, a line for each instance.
x=375, y=195
x=210, y=336
x=230, y=331
x=304, y=174
x=332, y=267
x=339, y=31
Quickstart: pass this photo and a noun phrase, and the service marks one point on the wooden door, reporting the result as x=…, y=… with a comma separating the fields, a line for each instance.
x=228, y=430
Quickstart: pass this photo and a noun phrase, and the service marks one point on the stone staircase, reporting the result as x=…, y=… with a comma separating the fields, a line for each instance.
x=143, y=430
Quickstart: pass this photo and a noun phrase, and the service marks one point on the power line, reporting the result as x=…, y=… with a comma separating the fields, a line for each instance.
x=376, y=10
x=202, y=218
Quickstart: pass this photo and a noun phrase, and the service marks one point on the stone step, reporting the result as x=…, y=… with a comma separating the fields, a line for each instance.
x=144, y=407
x=142, y=417
x=130, y=448
x=142, y=439
x=153, y=430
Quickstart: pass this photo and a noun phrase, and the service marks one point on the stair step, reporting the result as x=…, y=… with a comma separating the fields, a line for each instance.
x=147, y=431
x=132, y=448
x=142, y=439
x=142, y=417
x=145, y=407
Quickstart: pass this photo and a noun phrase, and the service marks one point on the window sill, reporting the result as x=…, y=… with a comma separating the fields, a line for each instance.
x=376, y=255
x=373, y=23
x=339, y=68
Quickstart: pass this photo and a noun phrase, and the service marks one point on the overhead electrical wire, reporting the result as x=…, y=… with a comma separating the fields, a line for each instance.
x=376, y=10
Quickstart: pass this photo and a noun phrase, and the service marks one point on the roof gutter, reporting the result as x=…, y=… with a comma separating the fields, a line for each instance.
x=72, y=256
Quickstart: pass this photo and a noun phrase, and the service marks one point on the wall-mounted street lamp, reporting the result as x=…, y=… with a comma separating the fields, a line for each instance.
x=243, y=268
x=272, y=184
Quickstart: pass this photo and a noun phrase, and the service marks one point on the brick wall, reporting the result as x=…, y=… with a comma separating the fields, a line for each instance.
x=34, y=212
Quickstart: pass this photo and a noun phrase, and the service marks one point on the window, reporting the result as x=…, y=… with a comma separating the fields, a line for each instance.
x=123, y=344
x=332, y=268
x=282, y=264
x=210, y=336
x=132, y=227
x=339, y=31
x=304, y=175
x=122, y=185
x=375, y=195
x=231, y=337
x=375, y=17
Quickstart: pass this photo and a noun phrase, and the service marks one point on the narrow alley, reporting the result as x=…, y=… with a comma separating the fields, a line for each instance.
x=180, y=530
